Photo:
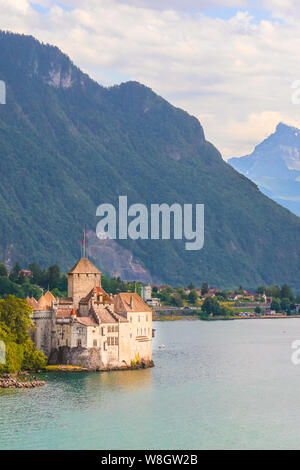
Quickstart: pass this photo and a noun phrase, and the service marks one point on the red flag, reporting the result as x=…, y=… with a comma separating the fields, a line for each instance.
x=83, y=239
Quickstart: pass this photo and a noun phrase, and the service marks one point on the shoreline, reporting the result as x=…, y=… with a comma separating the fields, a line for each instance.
x=73, y=368
x=221, y=318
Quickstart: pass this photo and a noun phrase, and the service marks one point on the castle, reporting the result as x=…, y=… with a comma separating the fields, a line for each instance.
x=91, y=328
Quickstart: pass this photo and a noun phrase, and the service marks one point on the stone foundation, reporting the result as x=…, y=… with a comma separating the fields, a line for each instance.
x=90, y=359
x=87, y=358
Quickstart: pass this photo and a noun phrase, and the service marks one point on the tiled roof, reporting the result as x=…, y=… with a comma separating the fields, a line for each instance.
x=130, y=302
x=97, y=291
x=32, y=302
x=45, y=302
x=64, y=312
x=106, y=315
x=84, y=266
x=49, y=297
x=65, y=300
x=86, y=321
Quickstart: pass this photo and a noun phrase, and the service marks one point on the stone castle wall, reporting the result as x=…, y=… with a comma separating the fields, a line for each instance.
x=83, y=357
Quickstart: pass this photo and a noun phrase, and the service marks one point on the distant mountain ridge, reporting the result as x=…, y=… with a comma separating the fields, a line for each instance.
x=68, y=144
x=274, y=166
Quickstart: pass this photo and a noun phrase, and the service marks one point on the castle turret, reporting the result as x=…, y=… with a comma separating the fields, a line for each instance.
x=82, y=278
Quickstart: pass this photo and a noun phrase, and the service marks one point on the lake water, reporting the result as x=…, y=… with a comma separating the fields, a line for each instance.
x=217, y=385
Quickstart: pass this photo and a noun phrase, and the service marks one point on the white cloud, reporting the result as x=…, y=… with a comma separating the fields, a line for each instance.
x=184, y=4
x=235, y=75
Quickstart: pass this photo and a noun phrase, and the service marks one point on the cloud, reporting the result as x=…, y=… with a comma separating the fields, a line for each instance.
x=234, y=74
x=196, y=5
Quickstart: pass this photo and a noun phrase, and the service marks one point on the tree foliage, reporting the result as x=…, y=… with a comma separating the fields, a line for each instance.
x=15, y=325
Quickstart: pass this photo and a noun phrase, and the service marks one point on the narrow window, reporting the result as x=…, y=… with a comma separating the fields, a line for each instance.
x=95, y=343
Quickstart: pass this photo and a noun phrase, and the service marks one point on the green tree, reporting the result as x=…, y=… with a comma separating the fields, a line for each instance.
x=286, y=292
x=36, y=274
x=286, y=305
x=32, y=358
x=211, y=306
x=8, y=287
x=15, y=313
x=193, y=297
x=257, y=309
x=222, y=296
x=165, y=295
x=261, y=290
x=13, y=351
x=204, y=288
x=15, y=273
x=176, y=300
x=276, y=305
x=15, y=324
x=30, y=290
x=3, y=270
x=273, y=291
x=52, y=276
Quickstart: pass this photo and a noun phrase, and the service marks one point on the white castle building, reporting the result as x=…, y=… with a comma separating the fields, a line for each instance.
x=91, y=328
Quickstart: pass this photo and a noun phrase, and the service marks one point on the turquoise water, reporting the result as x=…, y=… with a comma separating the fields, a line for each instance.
x=216, y=385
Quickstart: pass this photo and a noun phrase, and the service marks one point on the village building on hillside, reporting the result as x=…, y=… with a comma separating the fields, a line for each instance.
x=146, y=292
x=91, y=328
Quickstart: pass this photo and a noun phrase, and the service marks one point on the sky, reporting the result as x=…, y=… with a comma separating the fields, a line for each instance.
x=232, y=64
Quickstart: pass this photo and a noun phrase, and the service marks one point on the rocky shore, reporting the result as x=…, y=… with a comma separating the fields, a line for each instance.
x=10, y=382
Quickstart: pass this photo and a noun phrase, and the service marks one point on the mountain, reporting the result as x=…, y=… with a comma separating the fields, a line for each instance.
x=68, y=144
x=274, y=166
